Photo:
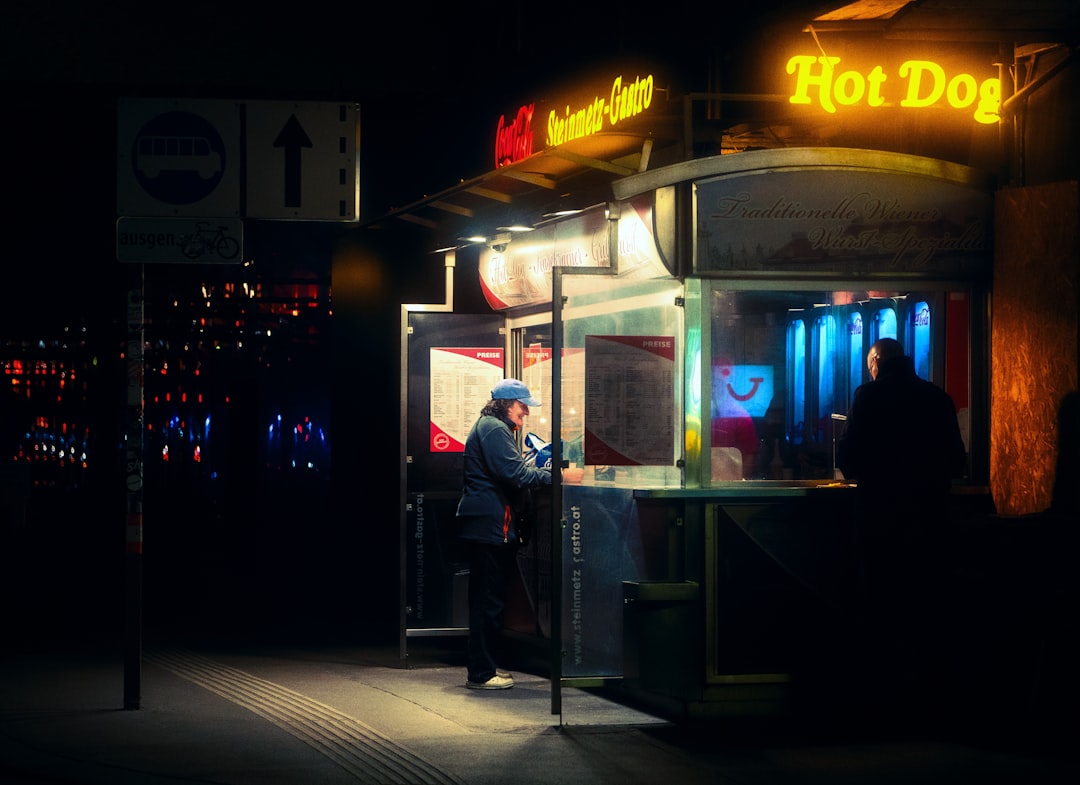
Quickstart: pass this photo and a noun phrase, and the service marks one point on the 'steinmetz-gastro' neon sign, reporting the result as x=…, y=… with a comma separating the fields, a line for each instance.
x=627, y=100
x=514, y=139
x=927, y=84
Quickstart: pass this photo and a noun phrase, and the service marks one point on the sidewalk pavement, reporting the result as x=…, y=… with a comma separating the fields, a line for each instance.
x=281, y=715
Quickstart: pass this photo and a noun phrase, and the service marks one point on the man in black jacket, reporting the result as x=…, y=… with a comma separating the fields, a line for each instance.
x=903, y=447
x=902, y=442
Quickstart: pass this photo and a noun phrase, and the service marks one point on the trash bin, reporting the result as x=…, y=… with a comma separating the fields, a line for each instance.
x=662, y=637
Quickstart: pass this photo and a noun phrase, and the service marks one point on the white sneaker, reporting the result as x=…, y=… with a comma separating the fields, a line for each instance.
x=504, y=674
x=496, y=682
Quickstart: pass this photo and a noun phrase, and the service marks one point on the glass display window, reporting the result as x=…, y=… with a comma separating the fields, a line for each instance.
x=785, y=364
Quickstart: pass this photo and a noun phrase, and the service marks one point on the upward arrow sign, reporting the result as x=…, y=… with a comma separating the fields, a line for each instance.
x=300, y=160
x=292, y=137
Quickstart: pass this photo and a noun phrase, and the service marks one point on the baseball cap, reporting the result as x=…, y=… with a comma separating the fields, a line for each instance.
x=515, y=390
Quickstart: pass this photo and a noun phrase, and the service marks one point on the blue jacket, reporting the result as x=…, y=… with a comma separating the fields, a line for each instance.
x=496, y=477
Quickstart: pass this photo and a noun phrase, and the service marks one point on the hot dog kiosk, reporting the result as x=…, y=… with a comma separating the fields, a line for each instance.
x=696, y=338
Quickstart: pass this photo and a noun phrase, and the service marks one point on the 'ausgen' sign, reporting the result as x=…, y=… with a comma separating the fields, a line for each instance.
x=916, y=84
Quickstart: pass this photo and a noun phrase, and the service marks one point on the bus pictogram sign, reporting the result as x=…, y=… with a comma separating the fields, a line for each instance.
x=178, y=158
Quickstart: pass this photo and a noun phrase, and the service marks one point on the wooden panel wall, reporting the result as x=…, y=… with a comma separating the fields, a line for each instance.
x=1035, y=326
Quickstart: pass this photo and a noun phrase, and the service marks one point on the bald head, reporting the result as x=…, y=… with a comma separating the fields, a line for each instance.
x=882, y=350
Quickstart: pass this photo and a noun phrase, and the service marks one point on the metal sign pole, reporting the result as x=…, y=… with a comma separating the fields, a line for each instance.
x=133, y=446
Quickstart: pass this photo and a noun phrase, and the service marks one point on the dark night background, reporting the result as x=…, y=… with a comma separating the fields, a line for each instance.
x=258, y=549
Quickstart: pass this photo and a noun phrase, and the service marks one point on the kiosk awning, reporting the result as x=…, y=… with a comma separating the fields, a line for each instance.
x=572, y=176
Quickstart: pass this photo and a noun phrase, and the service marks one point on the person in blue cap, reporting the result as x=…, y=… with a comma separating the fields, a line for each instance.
x=497, y=479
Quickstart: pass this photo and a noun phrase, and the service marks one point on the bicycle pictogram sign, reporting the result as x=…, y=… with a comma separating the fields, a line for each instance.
x=209, y=240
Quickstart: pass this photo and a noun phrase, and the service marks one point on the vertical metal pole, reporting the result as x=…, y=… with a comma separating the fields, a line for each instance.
x=1007, y=126
x=403, y=488
x=133, y=447
x=557, y=520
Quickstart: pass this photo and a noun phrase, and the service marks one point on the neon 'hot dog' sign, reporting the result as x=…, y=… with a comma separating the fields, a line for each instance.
x=918, y=84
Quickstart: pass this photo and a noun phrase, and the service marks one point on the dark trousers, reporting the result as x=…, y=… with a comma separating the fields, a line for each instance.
x=905, y=599
x=490, y=568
